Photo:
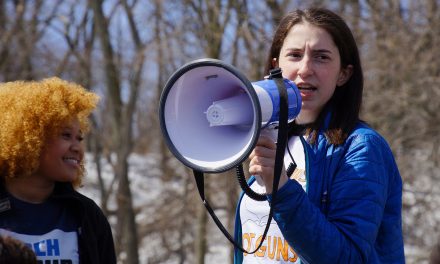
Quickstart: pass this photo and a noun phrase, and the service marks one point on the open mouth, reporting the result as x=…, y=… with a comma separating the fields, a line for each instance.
x=71, y=160
x=306, y=88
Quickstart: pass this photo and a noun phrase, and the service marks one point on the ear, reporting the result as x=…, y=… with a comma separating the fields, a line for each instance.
x=274, y=63
x=344, y=75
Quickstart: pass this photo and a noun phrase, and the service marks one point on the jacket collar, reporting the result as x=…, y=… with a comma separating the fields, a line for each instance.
x=5, y=205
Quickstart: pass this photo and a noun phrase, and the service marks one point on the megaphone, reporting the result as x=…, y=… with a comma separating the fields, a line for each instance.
x=211, y=115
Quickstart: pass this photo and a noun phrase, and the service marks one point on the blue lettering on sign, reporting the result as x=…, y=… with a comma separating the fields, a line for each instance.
x=53, y=248
x=48, y=247
x=61, y=261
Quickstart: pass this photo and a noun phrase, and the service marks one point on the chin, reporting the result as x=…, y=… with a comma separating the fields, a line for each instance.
x=67, y=178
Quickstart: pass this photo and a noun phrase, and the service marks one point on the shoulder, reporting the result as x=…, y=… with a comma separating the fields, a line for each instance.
x=88, y=204
x=92, y=215
x=66, y=192
x=365, y=150
x=365, y=138
x=362, y=131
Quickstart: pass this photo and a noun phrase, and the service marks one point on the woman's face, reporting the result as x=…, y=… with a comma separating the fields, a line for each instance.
x=311, y=59
x=62, y=155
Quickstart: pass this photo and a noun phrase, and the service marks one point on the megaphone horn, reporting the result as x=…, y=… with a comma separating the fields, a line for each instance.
x=211, y=114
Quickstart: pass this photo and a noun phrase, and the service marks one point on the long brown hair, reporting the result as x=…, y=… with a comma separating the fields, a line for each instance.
x=345, y=104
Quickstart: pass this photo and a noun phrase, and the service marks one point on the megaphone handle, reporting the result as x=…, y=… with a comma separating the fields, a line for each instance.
x=200, y=182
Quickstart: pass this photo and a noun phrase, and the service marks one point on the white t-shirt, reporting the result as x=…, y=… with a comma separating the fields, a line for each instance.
x=297, y=151
x=56, y=246
x=49, y=229
x=254, y=216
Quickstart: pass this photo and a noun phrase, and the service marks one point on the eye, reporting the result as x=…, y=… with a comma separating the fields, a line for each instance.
x=322, y=57
x=80, y=138
x=295, y=55
x=66, y=135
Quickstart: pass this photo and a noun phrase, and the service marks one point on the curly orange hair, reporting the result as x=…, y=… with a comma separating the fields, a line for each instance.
x=31, y=113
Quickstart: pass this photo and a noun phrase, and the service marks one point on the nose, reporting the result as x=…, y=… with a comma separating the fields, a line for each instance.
x=305, y=68
x=76, y=146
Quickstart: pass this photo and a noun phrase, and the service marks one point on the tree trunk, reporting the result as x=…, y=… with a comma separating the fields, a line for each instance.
x=200, y=243
x=121, y=130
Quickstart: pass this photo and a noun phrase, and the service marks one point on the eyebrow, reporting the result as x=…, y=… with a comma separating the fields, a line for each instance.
x=322, y=51
x=70, y=129
x=314, y=51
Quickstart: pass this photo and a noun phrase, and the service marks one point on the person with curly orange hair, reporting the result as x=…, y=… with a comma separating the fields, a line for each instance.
x=41, y=163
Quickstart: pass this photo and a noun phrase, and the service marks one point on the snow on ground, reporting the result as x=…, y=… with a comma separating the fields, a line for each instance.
x=147, y=187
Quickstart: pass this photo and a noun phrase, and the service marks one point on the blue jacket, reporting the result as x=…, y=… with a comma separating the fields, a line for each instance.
x=351, y=212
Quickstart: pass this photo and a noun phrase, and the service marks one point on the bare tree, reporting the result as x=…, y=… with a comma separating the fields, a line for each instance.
x=212, y=18
x=401, y=82
x=131, y=61
x=122, y=124
x=23, y=25
x=80, y=38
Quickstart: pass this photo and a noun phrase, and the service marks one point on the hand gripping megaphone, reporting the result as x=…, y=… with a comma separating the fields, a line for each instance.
x=211, y=117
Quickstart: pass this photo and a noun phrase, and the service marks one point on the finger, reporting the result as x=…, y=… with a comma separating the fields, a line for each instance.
x=266, y=172
x=266, y=141
x=262, y=161
x=262, y=151
x=262, y=166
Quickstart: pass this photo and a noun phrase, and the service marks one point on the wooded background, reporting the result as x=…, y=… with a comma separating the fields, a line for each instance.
x=125, y=50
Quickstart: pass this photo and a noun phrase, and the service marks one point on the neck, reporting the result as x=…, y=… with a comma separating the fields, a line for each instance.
x=30, y=189
x=305, y=117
